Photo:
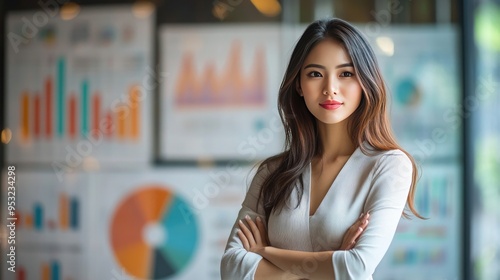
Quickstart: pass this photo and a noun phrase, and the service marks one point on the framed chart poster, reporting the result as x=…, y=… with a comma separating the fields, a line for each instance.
x=51, y=225
x=163, y=224
x=219, y=99
x=75, y=88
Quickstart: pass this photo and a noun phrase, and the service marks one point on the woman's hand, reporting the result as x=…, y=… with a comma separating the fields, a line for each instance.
x=253, y=237
x=354, y=232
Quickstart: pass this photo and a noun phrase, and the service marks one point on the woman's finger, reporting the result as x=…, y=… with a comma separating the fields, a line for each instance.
x=363, y=228
x=355, y=236
x=255, y=229
x=355, y=232
x=247, y=233
x=243, y=239
x=363, y=216
x=361, y=222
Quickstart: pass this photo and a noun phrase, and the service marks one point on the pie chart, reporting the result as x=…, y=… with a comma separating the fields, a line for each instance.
x=153, y=233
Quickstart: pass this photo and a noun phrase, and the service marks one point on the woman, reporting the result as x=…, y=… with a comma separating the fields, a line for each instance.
x=303, y=213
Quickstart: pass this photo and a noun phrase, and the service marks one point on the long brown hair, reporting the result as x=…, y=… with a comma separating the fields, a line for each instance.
x=368, y=122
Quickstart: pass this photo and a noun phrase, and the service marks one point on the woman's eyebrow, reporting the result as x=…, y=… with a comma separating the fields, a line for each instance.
x=312, y=65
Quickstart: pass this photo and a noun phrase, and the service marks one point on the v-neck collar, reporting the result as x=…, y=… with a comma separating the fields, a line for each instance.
x=334, y=183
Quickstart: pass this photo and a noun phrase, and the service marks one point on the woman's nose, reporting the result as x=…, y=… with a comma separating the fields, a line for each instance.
x=331, y=88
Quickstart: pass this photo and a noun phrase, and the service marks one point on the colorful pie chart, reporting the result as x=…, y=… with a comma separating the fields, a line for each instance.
x=154, y=233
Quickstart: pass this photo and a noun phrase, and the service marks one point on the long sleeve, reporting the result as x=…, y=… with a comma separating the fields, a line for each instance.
x=238, y=263
x=391, y=180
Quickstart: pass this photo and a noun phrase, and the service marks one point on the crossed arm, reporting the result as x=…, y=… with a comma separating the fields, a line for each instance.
x=288, y=264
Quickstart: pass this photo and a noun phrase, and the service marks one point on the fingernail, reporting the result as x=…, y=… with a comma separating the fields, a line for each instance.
x=240, y=222
x=247, y=217
x=365, y=222
x=237, y=230
x=258, y=219
x=361, y=215
x=360, y=229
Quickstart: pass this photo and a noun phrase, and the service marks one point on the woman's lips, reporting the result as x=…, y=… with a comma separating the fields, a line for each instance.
x=331, y=104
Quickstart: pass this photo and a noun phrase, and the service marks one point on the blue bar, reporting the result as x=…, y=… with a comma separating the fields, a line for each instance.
x=56, y=273
x=74, y=213
x=38, y=216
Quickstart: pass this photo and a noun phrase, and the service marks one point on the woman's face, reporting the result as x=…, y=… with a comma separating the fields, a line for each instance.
x=329, y=84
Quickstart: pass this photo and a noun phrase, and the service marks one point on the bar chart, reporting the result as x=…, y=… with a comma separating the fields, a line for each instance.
x=230, y=87
x=78, y=115
x=68, y=216
x=62, y=267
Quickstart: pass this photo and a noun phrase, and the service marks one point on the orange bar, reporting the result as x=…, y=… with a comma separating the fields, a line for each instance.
x=63, y=211
x=72, y=116
x=29, y=221
x=121, y=121
x=134, y=112
x=45, y=272
x=25, y=116
x=48, y=108
x=96, y=104
x=36, y=116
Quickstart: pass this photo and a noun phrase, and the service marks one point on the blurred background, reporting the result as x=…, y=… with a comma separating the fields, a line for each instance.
x=130, y=129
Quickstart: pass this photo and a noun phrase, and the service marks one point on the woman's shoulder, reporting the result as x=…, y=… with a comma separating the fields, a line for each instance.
x=384, y=157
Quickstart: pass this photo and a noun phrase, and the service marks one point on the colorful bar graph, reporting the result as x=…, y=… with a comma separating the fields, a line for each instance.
x=25, y=116
x=60, y=96
x=127, y=115
x=68, y=215
x=77, y=115
x=75, y=211
x=38, y=215
x=63, y=211
x=48, y=108
x=84, y=113
x=230, y=87
x=72, y=116
x=36, y=116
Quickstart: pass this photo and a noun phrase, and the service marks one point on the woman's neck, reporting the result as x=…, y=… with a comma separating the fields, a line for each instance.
x=336, y=141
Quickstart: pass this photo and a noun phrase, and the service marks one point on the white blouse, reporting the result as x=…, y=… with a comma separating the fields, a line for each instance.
x=378, y=183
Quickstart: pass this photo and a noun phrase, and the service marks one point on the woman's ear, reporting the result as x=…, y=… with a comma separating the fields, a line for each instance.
x=297, y=87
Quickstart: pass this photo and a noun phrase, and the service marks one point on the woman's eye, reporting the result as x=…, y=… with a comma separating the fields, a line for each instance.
x=315, y=74
x=346, y=74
